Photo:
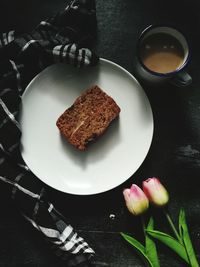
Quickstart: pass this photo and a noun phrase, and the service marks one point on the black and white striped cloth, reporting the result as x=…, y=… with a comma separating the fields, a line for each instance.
x=66, y=37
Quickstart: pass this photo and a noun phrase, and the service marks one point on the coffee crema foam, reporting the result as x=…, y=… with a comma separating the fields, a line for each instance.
x=161, y=53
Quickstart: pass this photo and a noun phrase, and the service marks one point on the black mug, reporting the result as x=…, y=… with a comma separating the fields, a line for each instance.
x=162, y=55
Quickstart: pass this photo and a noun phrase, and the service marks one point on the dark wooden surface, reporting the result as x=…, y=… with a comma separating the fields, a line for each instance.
x=174, y=155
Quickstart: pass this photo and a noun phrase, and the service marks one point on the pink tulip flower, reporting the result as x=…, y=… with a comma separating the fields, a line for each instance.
x=155, y=191
x=136, y=201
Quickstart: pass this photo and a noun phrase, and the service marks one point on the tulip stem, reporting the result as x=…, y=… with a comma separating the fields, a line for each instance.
x=143, y=225
x=173, y=226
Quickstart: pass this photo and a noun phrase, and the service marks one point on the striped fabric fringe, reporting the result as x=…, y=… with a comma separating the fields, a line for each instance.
x=6, y=38
x=67, y=37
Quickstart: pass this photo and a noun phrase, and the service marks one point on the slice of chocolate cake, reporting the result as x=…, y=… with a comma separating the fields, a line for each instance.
x=88, y=117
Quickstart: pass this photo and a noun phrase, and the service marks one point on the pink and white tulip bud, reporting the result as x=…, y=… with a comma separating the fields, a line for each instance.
x=156, y=192
x=136, y=201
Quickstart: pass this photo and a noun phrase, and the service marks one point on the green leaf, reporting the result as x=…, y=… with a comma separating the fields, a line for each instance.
x=150, y=245
x=138, y=246
x=183, y=229
x=170, y=242
x=180, y=223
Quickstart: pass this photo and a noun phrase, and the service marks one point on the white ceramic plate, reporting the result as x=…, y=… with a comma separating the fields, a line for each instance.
x=108, y=162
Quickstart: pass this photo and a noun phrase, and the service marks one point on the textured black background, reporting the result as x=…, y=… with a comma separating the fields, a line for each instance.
x=175, y=151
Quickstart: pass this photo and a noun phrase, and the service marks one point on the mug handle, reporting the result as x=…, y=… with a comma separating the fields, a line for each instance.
x=181, y=79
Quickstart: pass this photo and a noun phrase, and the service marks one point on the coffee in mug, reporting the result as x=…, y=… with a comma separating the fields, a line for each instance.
x=162, y=53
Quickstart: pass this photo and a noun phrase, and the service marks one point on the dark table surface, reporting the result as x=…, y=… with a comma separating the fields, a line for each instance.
x=174, y=155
